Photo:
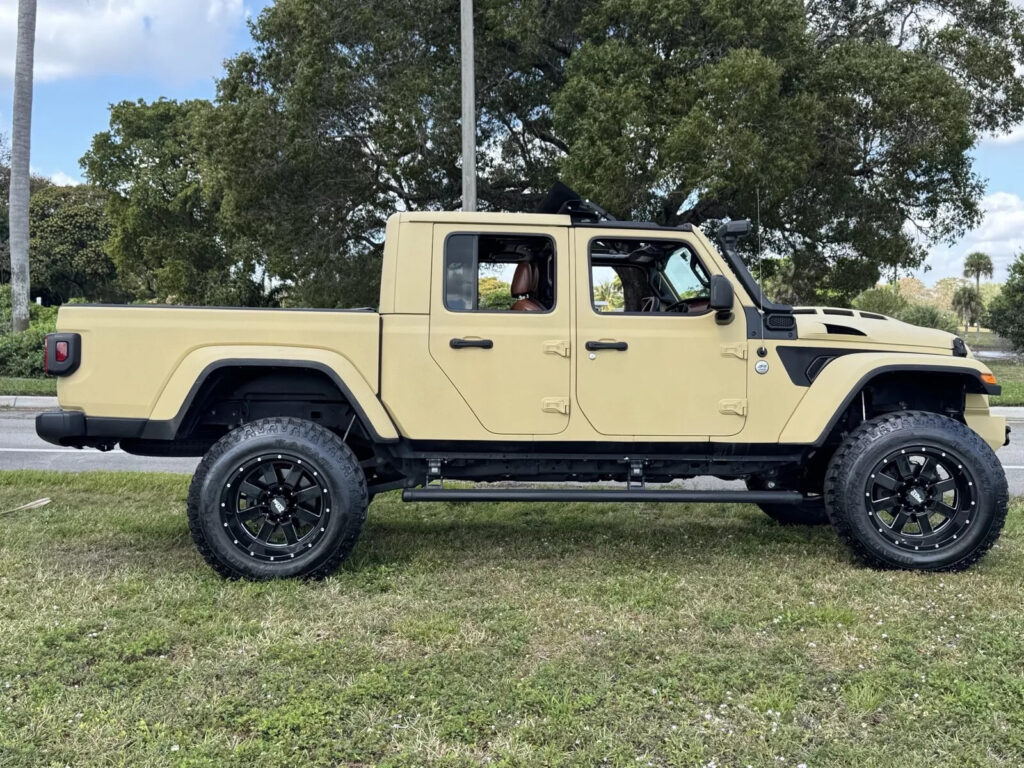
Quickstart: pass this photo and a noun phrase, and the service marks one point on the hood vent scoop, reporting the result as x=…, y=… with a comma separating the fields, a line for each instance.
x=843, y=330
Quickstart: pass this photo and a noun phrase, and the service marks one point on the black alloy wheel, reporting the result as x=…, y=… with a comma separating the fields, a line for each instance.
x=276, y=506
x=921, y=497
x=277, y=498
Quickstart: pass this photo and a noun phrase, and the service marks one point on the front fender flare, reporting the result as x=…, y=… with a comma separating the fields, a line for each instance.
x=835, y=388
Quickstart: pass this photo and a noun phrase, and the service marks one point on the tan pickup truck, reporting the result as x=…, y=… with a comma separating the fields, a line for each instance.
x=623, y=351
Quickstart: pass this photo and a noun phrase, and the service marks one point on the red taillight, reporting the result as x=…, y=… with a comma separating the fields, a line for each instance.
x=61, y=355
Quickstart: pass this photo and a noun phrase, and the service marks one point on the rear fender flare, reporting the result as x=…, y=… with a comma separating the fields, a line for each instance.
x=186, y=382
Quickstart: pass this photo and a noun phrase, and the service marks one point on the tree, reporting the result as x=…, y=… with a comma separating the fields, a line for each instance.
x=166, y=239
x=35, y=183
x=67, y=247
x=850, y=123
x=943, y=291
x=21, y=139
x=882, y=300
x=610, y=292
x=347, y=112
x=977, y=265
x=1006, y=311
x=967, y=303
x=494, y=293
x=928, y=316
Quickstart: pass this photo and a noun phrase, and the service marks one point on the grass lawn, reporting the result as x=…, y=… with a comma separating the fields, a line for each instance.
x=518, y=635
x=14, y=386
x=984, y=340
x=1011, y=378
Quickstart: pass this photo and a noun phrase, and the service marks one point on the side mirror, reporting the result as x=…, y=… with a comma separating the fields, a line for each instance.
x=721, y=299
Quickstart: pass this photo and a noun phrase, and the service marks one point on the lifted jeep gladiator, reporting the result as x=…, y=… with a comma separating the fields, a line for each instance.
x=623, y=351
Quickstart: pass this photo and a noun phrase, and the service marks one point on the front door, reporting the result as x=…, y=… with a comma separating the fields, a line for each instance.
x=659, y=362
x=500, y=312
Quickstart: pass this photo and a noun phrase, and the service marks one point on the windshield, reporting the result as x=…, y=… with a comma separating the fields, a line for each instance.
x=685, y=275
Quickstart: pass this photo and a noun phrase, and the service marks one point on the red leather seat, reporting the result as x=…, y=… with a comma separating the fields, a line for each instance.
x=524, y=285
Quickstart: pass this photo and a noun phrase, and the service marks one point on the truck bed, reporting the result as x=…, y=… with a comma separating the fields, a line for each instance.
x=140, y=361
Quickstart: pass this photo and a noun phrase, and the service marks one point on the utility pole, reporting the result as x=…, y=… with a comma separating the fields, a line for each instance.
x=468, y=110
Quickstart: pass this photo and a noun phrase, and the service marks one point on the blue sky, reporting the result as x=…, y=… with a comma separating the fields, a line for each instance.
x=91, y=53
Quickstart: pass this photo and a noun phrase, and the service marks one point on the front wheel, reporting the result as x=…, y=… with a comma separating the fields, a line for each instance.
x=275, y=498
x=916, y=490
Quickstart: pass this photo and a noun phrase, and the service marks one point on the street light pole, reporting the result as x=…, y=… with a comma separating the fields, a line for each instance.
x=468, y=110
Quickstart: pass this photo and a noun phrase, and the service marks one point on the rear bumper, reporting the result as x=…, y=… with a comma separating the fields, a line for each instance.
x=57, y=426
x=75, y=429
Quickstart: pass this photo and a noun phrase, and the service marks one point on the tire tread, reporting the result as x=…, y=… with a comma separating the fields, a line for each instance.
x=284, y=426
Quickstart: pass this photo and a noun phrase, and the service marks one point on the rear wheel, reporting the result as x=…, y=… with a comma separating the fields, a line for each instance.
x=916, y=490
x=277, y=498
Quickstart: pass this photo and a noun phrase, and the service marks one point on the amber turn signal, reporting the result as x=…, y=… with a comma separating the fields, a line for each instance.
x=989, y=378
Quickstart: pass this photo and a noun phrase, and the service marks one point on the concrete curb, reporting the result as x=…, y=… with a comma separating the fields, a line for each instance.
x=1015, y=413
x=26, y=403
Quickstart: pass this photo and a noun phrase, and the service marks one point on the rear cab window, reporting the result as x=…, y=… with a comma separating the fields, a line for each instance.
x=499, y=273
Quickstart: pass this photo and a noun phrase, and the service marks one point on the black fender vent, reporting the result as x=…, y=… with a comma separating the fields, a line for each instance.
x=818, y=365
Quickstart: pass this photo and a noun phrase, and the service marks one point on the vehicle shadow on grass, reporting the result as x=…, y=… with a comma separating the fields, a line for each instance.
x=466, y=536
x=550, y=536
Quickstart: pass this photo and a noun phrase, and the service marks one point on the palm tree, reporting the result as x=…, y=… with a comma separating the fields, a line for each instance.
x=967, y=304
x=610, y=293
x=978, y=265
x=20, y=149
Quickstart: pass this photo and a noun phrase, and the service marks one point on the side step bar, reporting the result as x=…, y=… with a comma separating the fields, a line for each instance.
x=608, y=496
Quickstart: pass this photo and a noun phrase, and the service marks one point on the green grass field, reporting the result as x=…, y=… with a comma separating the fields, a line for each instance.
x=511, y=635
x=17, y=387
x=1011, y=378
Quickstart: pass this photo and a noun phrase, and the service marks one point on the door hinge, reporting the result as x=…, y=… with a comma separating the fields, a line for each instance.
x=555, y=405
x=737, y=407
x=557, y=347
x=735, y=350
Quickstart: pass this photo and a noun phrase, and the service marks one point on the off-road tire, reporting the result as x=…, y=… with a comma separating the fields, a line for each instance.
x=848, y=493
x=337, y=469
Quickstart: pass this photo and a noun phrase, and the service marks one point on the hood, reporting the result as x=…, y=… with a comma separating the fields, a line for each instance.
x=865, y=328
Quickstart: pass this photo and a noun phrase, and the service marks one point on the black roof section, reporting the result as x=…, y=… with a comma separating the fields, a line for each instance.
x=563, y=200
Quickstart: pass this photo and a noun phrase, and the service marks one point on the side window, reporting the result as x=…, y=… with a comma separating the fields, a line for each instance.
x=641, y=276
x=499, y=273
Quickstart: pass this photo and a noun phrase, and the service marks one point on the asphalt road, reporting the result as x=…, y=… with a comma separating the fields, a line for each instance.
x=20, y=448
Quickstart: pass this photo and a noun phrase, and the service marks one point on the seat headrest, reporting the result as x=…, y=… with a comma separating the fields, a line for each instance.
x=523, y=280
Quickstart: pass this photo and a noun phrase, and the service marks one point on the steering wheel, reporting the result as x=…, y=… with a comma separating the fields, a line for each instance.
x=682, y=305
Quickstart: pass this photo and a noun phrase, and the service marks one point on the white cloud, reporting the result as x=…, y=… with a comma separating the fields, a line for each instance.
x=61, y=179
x=176, y=41
x=1013, y=137
x=1000, y=235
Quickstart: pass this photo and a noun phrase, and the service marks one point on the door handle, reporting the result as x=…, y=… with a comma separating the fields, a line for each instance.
x=593, y=346
x=463, y=343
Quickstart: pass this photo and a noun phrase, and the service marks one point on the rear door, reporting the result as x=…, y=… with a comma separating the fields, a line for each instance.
x=511, y=367
x=652, y=372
